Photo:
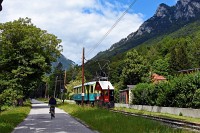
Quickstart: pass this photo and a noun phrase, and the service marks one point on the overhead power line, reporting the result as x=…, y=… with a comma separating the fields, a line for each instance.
x=114, y=25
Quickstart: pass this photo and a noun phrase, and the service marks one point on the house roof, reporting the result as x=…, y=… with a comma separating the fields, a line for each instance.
x=130, y=86
x=189, y=70
x=158, y=77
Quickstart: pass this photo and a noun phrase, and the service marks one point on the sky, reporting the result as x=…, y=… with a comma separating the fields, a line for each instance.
x=83, y=23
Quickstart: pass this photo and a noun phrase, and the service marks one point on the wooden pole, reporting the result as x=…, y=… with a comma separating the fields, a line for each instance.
x=108, y=93
x=55, y=87
x=46, y=90
x=83, y=57
x=65, y=78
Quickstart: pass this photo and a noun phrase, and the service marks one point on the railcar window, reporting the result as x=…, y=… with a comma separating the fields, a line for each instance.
x=106, y=93
x=79, y=90
x=111, y=93
x=91, y=89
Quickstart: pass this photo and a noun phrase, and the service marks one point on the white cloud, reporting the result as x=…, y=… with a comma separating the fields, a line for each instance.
x=79, y=23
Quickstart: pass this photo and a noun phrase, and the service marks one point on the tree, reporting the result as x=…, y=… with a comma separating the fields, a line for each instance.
x=135, y=68
x=178, y=56
x=161, y=66
x=57, y=80
x=26, y=53
x=72, y=83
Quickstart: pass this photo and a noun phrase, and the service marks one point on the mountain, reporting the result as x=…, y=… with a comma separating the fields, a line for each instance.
x=166, y=19
x=65, y=62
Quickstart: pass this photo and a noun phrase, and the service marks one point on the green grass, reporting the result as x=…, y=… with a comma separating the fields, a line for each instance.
x=45, y=100
x=106, y=121
x=10, y=118
x=164, y=115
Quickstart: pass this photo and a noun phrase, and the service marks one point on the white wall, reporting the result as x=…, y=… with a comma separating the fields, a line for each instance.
x=170, y=110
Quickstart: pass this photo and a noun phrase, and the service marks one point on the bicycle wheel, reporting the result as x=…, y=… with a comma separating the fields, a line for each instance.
x=51, y=115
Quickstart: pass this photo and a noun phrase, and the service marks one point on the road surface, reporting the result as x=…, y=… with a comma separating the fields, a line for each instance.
x=39, y=121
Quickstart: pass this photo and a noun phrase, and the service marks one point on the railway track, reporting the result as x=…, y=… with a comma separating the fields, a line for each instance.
x=172, y=122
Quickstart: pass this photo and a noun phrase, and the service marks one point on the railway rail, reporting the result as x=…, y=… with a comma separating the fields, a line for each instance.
x=172, y=122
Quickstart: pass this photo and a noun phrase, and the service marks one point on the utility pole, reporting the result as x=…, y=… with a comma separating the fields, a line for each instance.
x=46, y=89
x=64, y=89
x=55, y=87
x=83, y=57
x=65, y=78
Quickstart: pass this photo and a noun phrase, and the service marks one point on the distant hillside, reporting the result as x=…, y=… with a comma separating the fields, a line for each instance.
x=167, y=24
x=166, y=20
x=65, y=62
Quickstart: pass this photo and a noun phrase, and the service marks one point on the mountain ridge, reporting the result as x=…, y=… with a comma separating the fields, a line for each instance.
x=165, y=20
x=66, y=63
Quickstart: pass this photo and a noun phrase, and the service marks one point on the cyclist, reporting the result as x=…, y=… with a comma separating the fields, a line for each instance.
x=52, y=103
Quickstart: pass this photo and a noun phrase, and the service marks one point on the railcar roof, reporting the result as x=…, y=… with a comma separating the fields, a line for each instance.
x=104, y=85
x=88, y=83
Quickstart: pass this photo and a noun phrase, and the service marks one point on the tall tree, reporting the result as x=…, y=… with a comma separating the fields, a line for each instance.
x=161, y=66
x=26, y=54
x=179, y=57
x=135, y=68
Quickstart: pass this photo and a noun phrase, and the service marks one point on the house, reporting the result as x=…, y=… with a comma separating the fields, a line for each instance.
x=189, y=71
x=157, y=78
x=125, y=95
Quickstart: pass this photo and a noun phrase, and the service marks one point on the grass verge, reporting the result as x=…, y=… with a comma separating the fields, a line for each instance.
x=10, y=118
x=105, y=121
x=45, y=100
x=164, y=115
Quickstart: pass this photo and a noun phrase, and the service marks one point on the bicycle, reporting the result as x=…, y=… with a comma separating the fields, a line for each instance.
x=52, y=111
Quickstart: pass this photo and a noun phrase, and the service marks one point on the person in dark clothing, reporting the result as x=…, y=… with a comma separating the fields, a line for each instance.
x=52, y=101
x=52, y=104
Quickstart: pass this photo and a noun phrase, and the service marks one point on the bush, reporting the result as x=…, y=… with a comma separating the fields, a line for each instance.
x=182, y=91
x=143, y=94
x=196, y=99
x=9, y=97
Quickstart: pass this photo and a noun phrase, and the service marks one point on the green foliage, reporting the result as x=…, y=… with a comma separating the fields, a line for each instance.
x=70, y=90
x=9, y=96
x=12, y=117
x=26, y=55
x=180, y=114
x=179, y=58
x=135, y=67
x=196, y=98
x=161, y=67
x=182, y=91
x=72, y=83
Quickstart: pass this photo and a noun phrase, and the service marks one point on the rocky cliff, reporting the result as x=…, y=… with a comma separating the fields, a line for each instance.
x=165, y=20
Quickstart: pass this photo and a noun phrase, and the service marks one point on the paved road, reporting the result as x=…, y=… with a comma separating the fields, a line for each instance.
x=39, y=121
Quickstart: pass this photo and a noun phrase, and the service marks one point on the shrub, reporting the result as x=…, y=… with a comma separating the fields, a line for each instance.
x=182, y=91
x=9, y=97
x=196, y=99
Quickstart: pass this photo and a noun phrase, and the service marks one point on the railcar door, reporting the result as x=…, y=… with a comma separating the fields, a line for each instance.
x=111, y=93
